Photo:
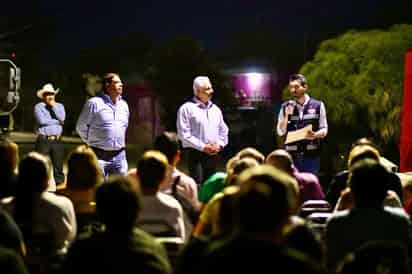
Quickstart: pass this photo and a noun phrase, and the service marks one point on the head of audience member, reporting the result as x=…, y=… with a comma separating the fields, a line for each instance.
x=385, y=162
x=363, y=141
x=280, y=159
x=168, y=144
x=265, y=201
x=237, y=167
x=83, y=171
x=202, y=89
x=33, y=179
x=361, y=152
x=229, y=164
x=9, y=157
x=151, y=171
x=376, y=257
x=368, y=182
x=225, y=221
x=252, y=153
x=33, y=173
x=118, y=202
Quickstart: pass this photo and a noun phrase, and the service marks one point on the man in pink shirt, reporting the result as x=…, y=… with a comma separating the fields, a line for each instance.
x=309, y=186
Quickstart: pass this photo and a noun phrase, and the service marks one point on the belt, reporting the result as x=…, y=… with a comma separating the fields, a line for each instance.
x=50, y=137
x=106, y=155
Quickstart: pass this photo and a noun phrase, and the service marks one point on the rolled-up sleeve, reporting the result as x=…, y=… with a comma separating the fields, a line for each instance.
x=223, y=133
x=82, y=126
x=281, y=116
x=323, y=122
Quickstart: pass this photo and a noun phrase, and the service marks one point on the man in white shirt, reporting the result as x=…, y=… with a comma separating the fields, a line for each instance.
x=202, y=130
x=161, y=215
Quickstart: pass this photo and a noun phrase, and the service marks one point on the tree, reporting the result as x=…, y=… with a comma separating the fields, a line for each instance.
x=171, y=70
x=359, y=76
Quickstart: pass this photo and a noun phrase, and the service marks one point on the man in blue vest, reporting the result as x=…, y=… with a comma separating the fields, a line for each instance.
x=299, y=113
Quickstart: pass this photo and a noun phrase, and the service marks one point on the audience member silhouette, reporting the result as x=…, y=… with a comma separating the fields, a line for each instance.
x=309, y=186
x=262, y=209
x=178, y=184
x=9, y=153
x=376, y=257
x=83, y=177
x=356, y=153
x=368, y=220
x=11, y=262
x=122, y=247
x=258, y=244
x=212, y=222
x=10, y=234
x=47, y=220
x=161, y=214
x=217, y=181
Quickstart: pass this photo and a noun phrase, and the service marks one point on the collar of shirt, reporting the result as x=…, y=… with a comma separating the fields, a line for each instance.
x=307, y=97
x=301, y=107
x=201, y=104
x=107, y=98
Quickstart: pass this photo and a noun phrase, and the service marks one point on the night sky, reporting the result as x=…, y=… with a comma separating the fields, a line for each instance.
x=208, y=21
x=83, y=25
x=87, y=23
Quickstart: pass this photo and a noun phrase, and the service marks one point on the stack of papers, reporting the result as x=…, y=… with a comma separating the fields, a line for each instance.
x=297, y=135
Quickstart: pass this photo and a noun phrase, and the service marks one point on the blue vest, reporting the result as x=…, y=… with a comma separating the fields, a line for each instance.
x=311, y=114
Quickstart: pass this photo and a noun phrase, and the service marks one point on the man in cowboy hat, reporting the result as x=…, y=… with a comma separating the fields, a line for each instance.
x=50, y=116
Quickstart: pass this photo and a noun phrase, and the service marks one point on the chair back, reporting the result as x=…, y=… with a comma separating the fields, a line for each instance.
x=312, y=206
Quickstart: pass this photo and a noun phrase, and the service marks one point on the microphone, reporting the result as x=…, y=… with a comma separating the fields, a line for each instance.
x=290, y=103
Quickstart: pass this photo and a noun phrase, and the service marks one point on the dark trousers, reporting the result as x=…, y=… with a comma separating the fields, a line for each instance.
x=307, y=164
x=55, y=150
x=201, y=165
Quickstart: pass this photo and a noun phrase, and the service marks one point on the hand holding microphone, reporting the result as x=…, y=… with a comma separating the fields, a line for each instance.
x=289, y=108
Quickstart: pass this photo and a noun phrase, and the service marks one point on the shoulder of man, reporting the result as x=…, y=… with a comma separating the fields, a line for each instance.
x=315, y=101
x=40, y=104
x=186, y=107
x=285, y=103
x=96, y=99
x=169, y=200
x=188, y=103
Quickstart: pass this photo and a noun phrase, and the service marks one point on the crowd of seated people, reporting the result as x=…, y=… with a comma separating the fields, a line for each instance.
x=258, y=214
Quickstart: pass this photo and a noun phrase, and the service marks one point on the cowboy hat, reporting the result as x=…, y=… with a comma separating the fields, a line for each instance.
x=47, y=88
